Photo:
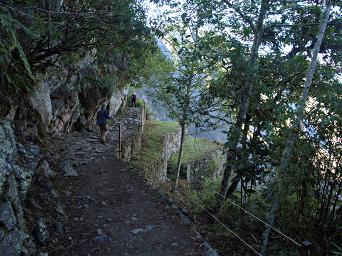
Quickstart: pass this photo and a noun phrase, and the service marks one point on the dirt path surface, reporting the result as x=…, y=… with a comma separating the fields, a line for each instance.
x=108, y=209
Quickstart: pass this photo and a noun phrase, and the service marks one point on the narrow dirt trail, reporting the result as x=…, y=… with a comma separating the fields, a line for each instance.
x=109, y=210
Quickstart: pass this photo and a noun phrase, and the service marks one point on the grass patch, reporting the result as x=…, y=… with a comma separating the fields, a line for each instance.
x=154, y=133
x=194, y=148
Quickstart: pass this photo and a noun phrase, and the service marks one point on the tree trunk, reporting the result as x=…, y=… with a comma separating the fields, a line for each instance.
x=296, y=125
x=180, y=155
x=235, y=132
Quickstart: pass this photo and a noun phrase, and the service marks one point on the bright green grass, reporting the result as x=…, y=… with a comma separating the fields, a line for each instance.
x=153, y=140
x=194, y=148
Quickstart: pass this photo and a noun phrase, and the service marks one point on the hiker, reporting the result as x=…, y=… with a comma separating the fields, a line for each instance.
x=134, y=99
x=101, y=120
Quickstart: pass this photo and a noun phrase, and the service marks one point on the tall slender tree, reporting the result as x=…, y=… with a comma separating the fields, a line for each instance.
x=293, y=133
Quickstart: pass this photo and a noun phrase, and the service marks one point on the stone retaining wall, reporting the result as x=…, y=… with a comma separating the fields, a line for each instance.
x=156, y=172
x=209, y=166
x=132, y=133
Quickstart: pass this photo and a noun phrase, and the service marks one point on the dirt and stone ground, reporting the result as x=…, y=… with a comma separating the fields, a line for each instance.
x=108, y=208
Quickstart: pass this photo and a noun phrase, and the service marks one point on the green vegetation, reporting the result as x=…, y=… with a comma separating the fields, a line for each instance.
x=153, y=145
x=283, y=150
x=112, y=35
x=194, y=149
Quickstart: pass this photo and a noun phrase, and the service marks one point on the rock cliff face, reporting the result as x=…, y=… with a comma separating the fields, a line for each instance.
x=61, y=102
x=20, y=165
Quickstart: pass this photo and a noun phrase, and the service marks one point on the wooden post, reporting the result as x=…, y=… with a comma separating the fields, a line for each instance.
x=119, y=149
x=142, y=117
x=306, y=249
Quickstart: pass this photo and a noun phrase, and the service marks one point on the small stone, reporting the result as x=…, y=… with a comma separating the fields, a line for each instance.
x=174, y=244
x=35, y=204
x=100, y=238
x=90, y=198
x=99, y=231
x=59, y=209
x=43, y=254
x=143, y=230
x=150, y=227
x=59, y=227
x=138, y=230
x=41, y=232
x=134, y=218
x=68, y=170
x=54, y=193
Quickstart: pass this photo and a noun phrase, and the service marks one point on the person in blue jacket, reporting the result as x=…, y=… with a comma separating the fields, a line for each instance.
x=101, y=121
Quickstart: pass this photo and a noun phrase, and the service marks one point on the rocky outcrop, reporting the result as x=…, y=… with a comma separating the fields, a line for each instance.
x=64, y=103
x=65, y=100
x=40, y=100
x=116, y=101
x=20, y=166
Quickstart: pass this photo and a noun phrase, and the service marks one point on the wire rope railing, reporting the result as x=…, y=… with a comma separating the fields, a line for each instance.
x=226, y=227
x=257, y=218
x=304, y=247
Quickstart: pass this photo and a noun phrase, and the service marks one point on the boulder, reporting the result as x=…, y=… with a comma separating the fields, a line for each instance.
x=41, y=102
x=116, y=100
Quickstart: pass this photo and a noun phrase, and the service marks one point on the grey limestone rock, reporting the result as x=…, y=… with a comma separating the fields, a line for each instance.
x=143, y=230
x=7, y=216
x=45, y=170
x=24, y=177
x=41, y=232
x=68, y=170
x=12, y=194
x=8, y=149
x=2, y=234
x=12, y=244
x=4, y=171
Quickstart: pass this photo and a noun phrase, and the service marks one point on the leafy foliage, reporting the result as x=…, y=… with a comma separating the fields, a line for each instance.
x=227, y=32
x=111, y=35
